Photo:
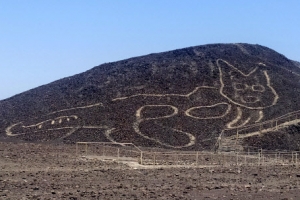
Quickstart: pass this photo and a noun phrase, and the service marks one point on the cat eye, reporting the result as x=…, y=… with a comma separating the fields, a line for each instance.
x=239, y=86
x=258, y=88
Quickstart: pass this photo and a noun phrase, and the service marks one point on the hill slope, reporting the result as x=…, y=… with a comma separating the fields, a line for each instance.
x=178, y=99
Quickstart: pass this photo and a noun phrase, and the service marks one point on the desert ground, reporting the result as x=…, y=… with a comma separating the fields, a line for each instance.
x=54, y=171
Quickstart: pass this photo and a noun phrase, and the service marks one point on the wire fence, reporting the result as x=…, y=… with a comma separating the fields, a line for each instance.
x=108, y=150
x=129, y=152
x=265, y=127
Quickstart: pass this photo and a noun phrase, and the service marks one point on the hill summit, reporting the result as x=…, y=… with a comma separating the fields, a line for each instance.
x=183, y=99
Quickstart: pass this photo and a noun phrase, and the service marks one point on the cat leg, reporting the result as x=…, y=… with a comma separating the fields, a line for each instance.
x=238, y=122
x=154, y=130
x=260, y=116
x=245, y=117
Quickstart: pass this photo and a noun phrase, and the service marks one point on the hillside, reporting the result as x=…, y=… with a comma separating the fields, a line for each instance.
x=181, y=99
x=297, y=63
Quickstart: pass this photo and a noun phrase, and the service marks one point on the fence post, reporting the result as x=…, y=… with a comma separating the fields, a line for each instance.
x=154, y=158
x=86, y=149
x=76, y=150
x=260, y=128
x=118, y=154
x=296, y=159
x=141, y=157
x=197, y=158
x=237, y=136
x=262, y=156
x=272, y=125
x=279, y=157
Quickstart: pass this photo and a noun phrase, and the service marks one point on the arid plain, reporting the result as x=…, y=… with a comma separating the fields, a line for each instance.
x=47, y=171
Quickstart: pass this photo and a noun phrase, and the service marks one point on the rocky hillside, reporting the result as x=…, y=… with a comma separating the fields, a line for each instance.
x=297, y=63
x=181, y=99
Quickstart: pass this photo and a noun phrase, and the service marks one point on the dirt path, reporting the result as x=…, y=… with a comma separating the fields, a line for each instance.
x=268, y=130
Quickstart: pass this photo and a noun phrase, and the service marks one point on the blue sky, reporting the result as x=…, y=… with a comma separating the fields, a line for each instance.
x=44, y=40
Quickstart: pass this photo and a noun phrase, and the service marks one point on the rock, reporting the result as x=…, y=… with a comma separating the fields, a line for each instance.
x=36, y=188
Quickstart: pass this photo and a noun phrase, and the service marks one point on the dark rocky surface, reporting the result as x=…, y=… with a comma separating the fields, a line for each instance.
x=39, y=171
x=297, y=63
x=286, y=139
x=178, y=99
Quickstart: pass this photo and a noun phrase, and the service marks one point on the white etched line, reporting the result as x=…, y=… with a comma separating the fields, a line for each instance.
x=231, y=124
x=175, y=111
x=163, y=95
x=75, y=108
x=187, y=112
x=261, y=115
x=239, y=104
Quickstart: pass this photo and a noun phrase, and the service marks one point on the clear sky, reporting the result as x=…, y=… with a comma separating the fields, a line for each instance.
x=44, y=40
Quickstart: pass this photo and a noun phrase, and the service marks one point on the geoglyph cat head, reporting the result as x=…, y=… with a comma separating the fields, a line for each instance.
x=252, y=90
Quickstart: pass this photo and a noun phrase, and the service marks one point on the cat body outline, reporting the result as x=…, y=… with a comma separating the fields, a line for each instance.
x=245, y=96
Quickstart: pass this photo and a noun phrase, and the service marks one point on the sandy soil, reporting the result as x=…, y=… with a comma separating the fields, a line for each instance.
x=41, y=171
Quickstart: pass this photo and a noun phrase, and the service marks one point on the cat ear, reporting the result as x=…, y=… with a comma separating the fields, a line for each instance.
x=262, y=74
x=261, y=67
x=228, y=71
x=227, y=68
